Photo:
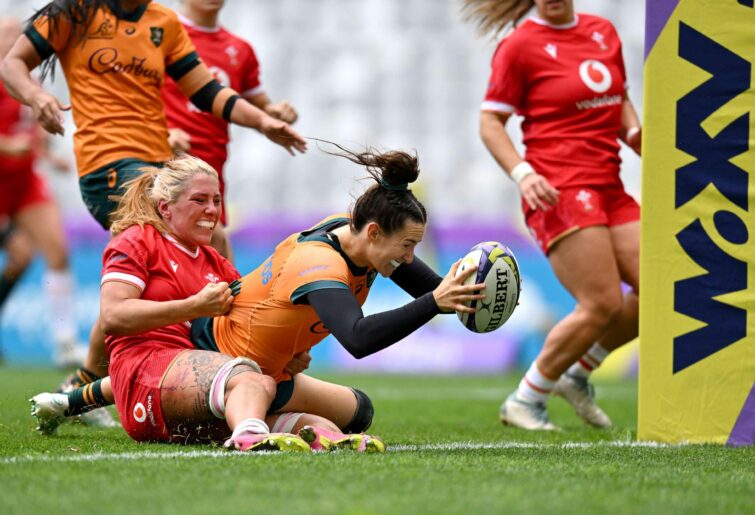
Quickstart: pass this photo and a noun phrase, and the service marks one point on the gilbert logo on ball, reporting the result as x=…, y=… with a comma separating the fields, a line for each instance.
x=498, y=270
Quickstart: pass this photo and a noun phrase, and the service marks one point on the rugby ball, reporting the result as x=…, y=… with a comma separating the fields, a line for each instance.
x=498, y=270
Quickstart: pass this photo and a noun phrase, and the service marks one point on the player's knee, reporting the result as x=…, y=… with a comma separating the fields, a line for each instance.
x=363, y=414
x=604, y=308
x=248, y=377
x=228, y=376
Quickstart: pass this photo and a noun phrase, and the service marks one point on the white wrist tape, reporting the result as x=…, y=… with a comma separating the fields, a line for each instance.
x=520, y=171
x=631, y=131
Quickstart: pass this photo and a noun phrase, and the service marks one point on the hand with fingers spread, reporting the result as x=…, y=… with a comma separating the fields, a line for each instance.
x=538, y=192
x=299, y=363
x=47, y=110
x=281, y=133
x=452, y=294
x=214, y=299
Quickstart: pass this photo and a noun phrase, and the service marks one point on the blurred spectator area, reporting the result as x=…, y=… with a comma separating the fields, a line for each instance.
x=403, y=74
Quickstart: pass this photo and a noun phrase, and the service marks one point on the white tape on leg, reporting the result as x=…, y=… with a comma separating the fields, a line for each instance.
x=219, y=382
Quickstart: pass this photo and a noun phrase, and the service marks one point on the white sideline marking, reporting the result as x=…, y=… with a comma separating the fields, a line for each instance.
x=216, y=453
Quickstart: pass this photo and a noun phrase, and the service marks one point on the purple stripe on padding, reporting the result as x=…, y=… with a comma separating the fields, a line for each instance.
x=743, y=432
x=656, y=16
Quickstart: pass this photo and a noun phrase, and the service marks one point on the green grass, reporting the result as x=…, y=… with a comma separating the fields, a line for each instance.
x=505, y=471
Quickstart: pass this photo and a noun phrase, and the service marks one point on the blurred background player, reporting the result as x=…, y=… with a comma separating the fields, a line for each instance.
x=313, y=285
x=115, y=55
x=234, y=64
x=564, y=73
x=31, y=221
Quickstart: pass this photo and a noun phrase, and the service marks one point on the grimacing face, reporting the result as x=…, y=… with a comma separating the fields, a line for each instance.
x=195, y=213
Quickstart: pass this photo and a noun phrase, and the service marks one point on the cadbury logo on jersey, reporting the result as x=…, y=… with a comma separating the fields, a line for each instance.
x=105, y=60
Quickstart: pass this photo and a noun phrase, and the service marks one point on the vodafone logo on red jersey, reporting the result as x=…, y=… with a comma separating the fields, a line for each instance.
x=595, y=75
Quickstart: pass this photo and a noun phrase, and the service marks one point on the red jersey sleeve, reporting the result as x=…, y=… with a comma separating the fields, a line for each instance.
x=506, y=86
x=126, y=259
x=250, y=75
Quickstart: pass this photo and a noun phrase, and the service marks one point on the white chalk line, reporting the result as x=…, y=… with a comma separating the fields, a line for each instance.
x=217, y=453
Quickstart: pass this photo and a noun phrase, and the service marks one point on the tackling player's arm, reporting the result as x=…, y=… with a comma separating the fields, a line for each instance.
x=123, y=312
x=195, y=80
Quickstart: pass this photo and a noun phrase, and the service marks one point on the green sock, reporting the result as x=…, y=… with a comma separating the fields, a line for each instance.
x=86, y=398
x=79, y=378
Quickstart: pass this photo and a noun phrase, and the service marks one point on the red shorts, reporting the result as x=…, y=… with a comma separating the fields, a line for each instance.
x=137, y=374
x=19, y=190
x=581, y=207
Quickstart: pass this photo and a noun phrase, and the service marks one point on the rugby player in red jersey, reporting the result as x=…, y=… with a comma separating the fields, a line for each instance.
x=234, y=64
x=564, y=73
x=29, y=218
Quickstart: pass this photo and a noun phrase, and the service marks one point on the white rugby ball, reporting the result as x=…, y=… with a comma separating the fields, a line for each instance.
x=498, y=270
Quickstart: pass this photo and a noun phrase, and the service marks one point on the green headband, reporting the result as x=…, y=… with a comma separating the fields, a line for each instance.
x=403, y=186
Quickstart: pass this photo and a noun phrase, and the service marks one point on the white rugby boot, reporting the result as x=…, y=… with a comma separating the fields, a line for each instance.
x=49, y=410
x=527, y=415
x=580, y=394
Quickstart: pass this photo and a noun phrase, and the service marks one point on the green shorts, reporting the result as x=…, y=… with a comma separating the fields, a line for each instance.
x=97, y=187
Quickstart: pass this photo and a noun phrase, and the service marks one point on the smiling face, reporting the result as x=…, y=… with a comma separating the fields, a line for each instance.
x=193, y=216
x=385, y=252
x=556, y=12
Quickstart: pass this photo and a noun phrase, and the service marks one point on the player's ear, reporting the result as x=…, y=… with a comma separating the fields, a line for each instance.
x=373, y=231
x=162, y=208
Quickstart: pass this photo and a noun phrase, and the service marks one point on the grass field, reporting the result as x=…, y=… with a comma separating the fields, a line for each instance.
x=448, y=454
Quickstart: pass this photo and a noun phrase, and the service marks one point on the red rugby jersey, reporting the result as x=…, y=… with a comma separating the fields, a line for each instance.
x=15, y=118
x=234, y=64
x=568, y=82
x=162, y=269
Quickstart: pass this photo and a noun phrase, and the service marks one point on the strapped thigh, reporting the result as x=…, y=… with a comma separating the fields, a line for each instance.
x=219, y=382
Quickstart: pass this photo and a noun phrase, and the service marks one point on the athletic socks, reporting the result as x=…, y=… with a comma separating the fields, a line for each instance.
x=86, y=398
x=79, y=378
x=251, y=425
x=591, y=360
x=534, y=387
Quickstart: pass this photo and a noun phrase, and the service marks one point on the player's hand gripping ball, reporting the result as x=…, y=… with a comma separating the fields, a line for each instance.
x=498, y=269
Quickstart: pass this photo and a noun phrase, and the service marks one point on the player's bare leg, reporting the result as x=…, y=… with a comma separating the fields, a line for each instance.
x=201, y=388
x=43, y=224
x=585, y=264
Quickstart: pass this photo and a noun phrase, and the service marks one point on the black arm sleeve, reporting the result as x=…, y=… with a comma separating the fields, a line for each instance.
x=206, y=94
x=363, y=335
x=417, y=278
